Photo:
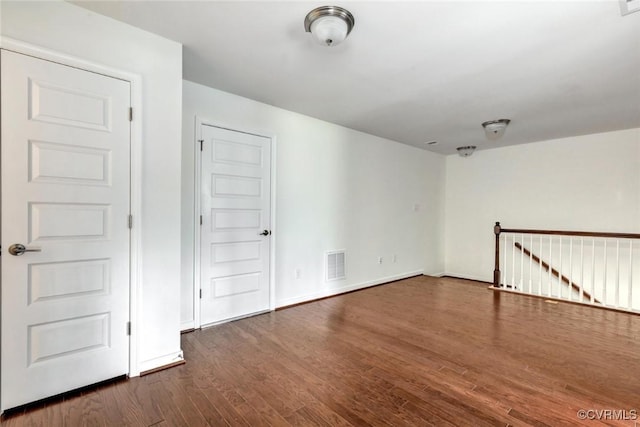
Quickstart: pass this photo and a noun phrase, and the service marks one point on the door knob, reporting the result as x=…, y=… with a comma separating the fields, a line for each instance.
x=18, y=249
x=265, y=233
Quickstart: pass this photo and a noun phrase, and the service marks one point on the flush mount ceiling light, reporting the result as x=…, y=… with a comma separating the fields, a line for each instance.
x=629, y=6
x=494, y=129
x=466, y=151
x=329, y=25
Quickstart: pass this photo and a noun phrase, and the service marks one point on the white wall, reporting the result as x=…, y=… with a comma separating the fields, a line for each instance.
x=74, y=31
x=589, y=183
x=336, y=189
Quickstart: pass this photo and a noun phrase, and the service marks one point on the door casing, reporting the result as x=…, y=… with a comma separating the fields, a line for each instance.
x=199, y=122
x=135, y=81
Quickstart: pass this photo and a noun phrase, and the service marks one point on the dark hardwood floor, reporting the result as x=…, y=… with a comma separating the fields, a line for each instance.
x=422, y=351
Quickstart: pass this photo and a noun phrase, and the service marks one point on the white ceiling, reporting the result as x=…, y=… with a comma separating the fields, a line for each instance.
x=417, y=71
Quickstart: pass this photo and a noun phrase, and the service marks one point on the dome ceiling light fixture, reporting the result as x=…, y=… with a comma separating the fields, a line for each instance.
x=466, y=151
x=329, y=25
x=494, y=129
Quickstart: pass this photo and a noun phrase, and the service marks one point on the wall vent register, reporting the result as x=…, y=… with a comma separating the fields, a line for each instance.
x=336, y=265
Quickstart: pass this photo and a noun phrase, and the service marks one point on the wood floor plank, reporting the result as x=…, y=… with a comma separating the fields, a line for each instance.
x=323, y=390
x=148, y=409
x=325, y=382
x=188, y=410
x=111, y=409
x=418, y=352
x=211, y=415
x=92, y=412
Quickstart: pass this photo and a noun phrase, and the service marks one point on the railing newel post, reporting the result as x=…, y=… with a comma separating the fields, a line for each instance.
x=496, y=271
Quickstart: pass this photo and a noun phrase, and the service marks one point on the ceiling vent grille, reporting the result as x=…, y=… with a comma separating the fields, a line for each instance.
x=336, y=265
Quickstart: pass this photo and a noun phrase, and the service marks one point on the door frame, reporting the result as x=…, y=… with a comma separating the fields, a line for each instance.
x=135, y=183
x=199, y=122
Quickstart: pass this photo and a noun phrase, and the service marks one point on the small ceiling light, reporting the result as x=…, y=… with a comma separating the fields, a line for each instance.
x=466, y=151
x=629, y=6
x=329, y=25
x=494, y=129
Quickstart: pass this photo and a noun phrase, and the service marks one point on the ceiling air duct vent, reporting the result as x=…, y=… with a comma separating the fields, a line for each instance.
x=336, y=265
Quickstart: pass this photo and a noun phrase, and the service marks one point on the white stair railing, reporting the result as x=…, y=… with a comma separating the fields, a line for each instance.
x=594, y=268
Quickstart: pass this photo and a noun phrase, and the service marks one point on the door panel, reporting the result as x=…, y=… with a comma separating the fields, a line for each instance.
x=235, y=206
x=65, y=191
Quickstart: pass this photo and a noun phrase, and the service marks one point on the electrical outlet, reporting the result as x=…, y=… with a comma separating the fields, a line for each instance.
x=379, y=260
x=296, y=273
x=395, y=258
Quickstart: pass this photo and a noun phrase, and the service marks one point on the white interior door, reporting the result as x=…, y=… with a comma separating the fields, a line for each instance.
x=235, y=228
x=65, y=192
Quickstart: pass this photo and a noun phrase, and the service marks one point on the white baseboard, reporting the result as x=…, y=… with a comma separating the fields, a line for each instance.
x=159, y=362
x=440, y=274
x=190, y=324
x=336, y=291
x=469, y=277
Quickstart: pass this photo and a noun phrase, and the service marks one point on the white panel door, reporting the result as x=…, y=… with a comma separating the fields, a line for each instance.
x=65, y=192
x=234, y=239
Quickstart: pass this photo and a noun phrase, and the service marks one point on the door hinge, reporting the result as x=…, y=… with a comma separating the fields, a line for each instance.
x=130, y=114
x=128, y=328
x=130, y=221
x=201, y=142
x=200, y=219
x=200, y=293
